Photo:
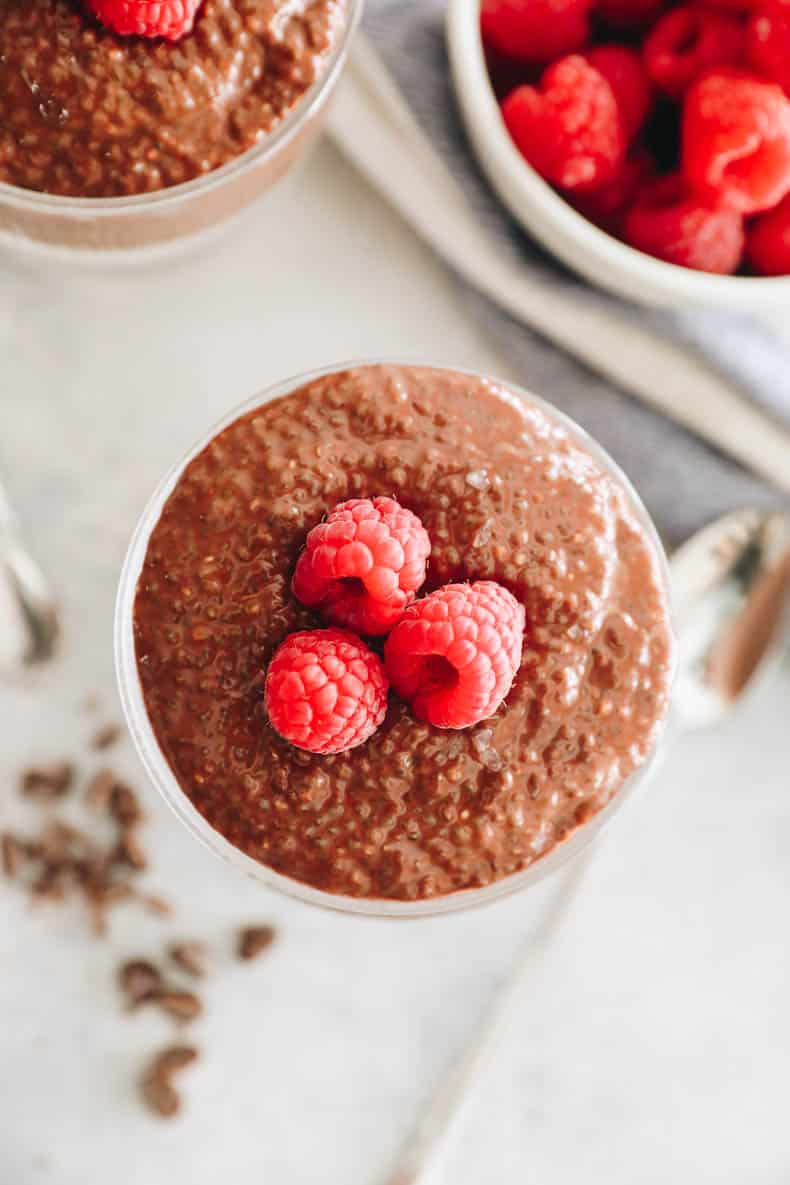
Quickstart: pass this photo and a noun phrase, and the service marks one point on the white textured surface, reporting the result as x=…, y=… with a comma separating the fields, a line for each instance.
x=653, y=1042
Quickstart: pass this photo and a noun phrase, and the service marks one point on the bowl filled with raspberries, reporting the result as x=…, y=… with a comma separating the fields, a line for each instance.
x=646, y=144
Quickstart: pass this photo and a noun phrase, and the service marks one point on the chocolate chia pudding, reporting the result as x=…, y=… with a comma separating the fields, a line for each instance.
x=506, y=493
x=86, y=113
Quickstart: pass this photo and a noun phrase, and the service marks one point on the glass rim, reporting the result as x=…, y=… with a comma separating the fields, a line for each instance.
x=164, y=780
x=159, y=199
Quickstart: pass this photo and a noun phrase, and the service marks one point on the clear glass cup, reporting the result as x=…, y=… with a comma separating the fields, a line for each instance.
x=151, y=220
x=165, y=782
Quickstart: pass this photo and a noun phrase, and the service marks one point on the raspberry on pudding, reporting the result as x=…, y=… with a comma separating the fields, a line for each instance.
x=528, y=674
x=325, y=691
x=454, y=654
x=85, y=112
x=363, y=565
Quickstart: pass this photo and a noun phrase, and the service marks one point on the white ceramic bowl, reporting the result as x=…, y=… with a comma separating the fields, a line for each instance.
x=582, y=246
x=164, y=779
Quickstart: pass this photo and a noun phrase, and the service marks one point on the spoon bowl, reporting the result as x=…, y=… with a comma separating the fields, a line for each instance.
x=731, y=586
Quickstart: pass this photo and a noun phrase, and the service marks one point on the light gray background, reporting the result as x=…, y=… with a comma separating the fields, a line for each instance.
x=652, y=1044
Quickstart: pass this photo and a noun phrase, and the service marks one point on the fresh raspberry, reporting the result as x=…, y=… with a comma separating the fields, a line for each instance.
x=170, y=19
x=687, y=41
x=607, y=206
x=455, y=654
x=362, y=566
x=623, y=70
x=534, y=31
x=628, y=14
x=569, y=129
x=325, y=691
x=736, y=141
x=768, y=42
x=667, y=222
x=768, y=242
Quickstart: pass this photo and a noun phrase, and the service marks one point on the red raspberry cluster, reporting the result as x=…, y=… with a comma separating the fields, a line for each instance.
x=668, y=125
x=170, y=19
x=452, y=655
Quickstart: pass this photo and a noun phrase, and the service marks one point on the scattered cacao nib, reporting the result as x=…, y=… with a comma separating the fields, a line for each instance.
x=174, y=1058
x=99, y=889
x=156, y=1086
x=253, y=940
x=155, y=904
x=12, y=853
x=61, y=842
x=139, y=979
x=97, y=914
x=96, y=874
x=48, y=781
x=64, y=860
x=124, y=807
x=191, y=957
x=106, y=736
x=98, y=793
x=115, y=893
x=129, y=851
x=49, y=886
x=182, y=1006
x=160, y=1096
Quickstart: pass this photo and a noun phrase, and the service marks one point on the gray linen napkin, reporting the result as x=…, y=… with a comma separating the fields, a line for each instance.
x=683, y=481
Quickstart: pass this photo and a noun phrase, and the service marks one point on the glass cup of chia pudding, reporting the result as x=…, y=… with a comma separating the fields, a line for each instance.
x=110, y=141
x=430, y=811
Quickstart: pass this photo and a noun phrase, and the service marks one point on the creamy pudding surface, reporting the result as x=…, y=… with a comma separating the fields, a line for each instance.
x=86, y=113
x=506, y=493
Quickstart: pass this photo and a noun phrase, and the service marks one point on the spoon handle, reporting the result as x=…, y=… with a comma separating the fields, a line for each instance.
x=29, y=619
x=426, y=1140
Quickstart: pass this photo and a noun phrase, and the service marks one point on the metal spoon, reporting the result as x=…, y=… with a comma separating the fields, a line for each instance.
x=731, y=588
x=28, y=616
x=730, y=585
